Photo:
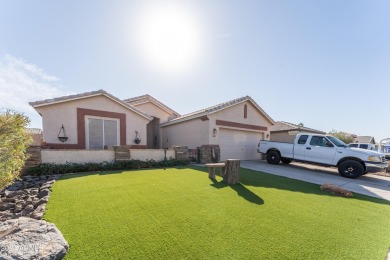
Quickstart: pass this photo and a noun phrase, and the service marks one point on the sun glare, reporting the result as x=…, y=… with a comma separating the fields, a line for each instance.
x=169, y=38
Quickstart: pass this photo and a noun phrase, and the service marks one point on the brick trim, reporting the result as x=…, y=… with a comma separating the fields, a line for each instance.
x=81, y=136
x=204, y=118
x=240, y=125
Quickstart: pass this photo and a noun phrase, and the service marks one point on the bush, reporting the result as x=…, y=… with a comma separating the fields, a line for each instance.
x=14, y=142
x=49, y=168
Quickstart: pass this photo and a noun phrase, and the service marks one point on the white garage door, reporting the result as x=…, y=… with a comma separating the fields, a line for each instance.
x=237, y=144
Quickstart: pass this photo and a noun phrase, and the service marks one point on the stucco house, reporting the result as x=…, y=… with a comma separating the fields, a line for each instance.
x=91, y=120
x=98, y=120
x=364, y=139
x=286, y=132
x=236, y=126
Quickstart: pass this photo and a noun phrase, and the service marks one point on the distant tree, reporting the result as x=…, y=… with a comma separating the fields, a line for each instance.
x=14, y=141
x=343, y=136
x=301, y=124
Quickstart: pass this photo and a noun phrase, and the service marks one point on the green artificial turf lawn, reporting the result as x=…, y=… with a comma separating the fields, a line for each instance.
x=182, y=214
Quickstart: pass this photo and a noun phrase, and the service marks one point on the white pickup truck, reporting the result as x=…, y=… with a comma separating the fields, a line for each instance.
x=324, y=150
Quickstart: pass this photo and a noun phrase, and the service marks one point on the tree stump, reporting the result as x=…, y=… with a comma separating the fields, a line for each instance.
x=232, y=171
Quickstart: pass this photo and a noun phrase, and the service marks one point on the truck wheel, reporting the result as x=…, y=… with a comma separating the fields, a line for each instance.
x=273, y=157
x=351, y=169
x=286, y=160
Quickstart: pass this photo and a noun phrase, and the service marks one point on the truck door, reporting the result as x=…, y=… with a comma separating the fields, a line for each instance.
x=320, y=150
x=300, y=147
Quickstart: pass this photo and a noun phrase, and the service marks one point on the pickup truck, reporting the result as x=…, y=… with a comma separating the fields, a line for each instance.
x=324, y=150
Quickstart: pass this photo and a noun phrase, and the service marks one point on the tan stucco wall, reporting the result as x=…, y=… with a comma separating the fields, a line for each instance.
x=282, y=137
x=76, y=156
x=236, y=114
x=150, y=154
x=153, y=110
x=53, y=116
x=192, y=133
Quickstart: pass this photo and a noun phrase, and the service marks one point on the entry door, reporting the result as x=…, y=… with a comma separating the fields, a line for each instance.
x=320, y=150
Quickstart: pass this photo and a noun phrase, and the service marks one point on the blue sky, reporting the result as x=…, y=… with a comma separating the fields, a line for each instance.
x=323, y=63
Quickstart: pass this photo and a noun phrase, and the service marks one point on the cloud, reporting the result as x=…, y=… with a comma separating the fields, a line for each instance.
x=21, y=82
x=224, y=35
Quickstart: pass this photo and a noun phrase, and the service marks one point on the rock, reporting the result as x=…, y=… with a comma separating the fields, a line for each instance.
x=6, y=205
x=43, y=193
x=46, y=186
x=27, y=210
x=8, y=200
x=26, y=238
x=43, y=200
x=38, y=212
x=335, y=189
x=18, y=207
x=15, y=193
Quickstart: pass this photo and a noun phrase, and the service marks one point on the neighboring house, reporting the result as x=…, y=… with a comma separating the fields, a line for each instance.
x=286, y=132
x=92, y=120
x=364, y=139
x=236, y=126
x=36, y=135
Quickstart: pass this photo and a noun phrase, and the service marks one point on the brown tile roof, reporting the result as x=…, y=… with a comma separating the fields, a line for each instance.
x=221, y=106
x=145, y=98
x=86, y=95
x=281, y=126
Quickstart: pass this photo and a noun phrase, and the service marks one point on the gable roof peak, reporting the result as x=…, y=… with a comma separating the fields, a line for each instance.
x=134, y=101
x=218, y=107
x=86, y=95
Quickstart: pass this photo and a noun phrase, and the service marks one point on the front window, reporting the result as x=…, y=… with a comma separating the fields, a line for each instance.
x=364, y=146
x=102, y=133
x=337, y=141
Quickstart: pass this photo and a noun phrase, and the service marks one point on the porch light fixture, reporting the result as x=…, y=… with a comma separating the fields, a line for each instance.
x=62, y=134
x=137, y=140
x=215, y=131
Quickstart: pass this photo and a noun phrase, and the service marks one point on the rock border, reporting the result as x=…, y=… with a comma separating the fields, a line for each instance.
x=26, y=197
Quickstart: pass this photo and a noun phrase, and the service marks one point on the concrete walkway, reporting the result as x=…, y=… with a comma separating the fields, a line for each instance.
x=369, y=184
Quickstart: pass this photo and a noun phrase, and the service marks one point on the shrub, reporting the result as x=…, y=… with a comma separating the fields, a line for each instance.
x=49, y=168
x=14, y=142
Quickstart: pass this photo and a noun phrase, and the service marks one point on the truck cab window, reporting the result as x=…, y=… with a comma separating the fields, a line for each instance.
x=320, y=141
x=302, y=139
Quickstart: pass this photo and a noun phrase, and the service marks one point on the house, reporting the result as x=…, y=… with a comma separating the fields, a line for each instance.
x=98, y=120
x=91, y=120
x=364, y=139
x=286, y=132
x=160, y=113
x=235, y=126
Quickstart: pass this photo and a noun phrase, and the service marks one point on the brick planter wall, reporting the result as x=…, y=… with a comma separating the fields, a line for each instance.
x=34, y=152
x=181, y=152
x=206, y=153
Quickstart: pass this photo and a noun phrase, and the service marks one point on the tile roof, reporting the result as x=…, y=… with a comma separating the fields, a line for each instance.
x=281, y=126
x=218, y=107
x=144, y=98
x=86, y=95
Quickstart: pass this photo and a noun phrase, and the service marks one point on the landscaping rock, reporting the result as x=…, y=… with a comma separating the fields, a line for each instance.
x=43, y=193
x=26, y=238
x=26, y=197
x=27, y=210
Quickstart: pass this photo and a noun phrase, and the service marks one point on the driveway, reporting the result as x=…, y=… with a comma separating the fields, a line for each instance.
x=369, y=184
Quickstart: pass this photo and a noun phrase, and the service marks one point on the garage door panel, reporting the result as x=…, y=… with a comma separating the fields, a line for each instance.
x=238, y=144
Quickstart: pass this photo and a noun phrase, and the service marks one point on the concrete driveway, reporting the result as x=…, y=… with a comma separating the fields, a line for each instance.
x=369, y=184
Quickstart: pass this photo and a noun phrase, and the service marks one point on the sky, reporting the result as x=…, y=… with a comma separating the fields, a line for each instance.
x=322, y=63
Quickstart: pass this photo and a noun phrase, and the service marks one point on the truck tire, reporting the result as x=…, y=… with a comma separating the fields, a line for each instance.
x=273, y=157
x=286, y=160
x=351, y=169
